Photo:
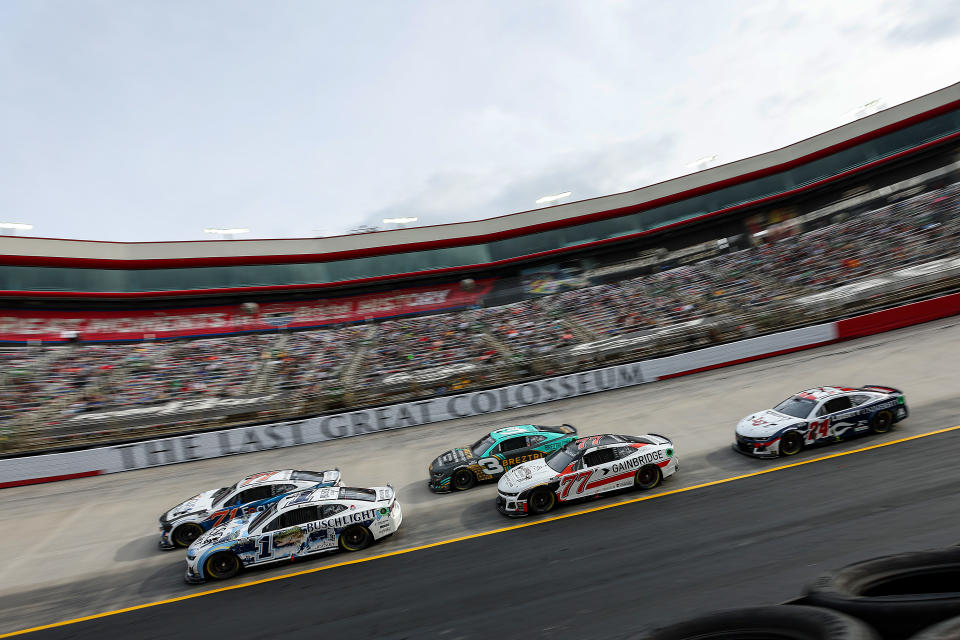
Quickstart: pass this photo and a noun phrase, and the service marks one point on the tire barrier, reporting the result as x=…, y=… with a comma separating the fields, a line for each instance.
x=775, y=622
x=946, y=630
x=898, y=594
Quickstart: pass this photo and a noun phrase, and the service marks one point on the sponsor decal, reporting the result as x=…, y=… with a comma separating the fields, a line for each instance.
x=345, y=519
x=635, y=462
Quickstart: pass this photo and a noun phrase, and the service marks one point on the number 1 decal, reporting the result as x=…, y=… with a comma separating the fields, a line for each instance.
x=264, y=544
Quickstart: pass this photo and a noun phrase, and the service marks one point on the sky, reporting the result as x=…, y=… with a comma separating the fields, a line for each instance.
x=141, y=120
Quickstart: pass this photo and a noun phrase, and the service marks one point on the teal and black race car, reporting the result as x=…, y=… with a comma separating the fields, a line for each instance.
x=493, y=454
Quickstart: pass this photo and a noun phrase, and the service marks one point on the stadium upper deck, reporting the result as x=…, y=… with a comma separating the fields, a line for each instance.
x=41, y=267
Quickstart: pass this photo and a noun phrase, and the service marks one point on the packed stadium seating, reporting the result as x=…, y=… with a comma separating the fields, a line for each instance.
x=44, y=385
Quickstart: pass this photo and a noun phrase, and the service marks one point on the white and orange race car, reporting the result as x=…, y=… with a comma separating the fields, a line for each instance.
x=586, y=467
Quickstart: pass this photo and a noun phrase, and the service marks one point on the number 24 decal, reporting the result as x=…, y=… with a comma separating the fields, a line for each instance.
x=818, y=429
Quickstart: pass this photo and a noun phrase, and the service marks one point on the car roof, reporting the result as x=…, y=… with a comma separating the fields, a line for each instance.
x=597, y=441
x=307, y=497
x=820, y=393
x=265, y=477
x=507, y=432
x=321, y=495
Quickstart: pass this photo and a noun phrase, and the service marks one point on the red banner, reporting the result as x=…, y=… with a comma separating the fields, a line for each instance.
x=23, y=325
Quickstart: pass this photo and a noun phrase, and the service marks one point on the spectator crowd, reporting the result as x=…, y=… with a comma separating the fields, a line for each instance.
x=43, y=385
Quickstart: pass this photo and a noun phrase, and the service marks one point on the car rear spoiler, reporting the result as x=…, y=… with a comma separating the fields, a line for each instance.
x=393, y=495
x=569, y=428
x=669, y=441
x=881, y=388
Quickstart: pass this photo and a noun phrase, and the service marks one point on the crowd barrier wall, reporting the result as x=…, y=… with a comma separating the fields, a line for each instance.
x=152, y=453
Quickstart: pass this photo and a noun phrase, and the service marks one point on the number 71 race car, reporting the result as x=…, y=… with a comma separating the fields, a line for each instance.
x=819, y=416
x=461, y=468
x=186, y=522
x=300, y=524
x=586, y=467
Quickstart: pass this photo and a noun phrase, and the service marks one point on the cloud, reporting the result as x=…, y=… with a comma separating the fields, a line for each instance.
x=924, y=23
x=610, y=168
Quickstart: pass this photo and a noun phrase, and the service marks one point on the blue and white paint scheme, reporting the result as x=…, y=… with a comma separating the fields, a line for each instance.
x=300, y=524
x=187, y=521
x=820, y=416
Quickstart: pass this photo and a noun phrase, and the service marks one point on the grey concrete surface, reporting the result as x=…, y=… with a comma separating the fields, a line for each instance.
x=85, y=546
x=604, y=574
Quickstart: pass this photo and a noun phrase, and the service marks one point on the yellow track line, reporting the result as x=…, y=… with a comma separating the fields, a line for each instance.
x=479, y=535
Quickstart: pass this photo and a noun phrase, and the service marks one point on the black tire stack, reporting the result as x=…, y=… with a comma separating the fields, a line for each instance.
x=907, y=595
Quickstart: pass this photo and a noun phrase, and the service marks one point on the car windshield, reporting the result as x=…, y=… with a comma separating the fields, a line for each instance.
x=222, y=493
x=480, y=446
x=796, y=407
x=263, y=516
x=559, y=459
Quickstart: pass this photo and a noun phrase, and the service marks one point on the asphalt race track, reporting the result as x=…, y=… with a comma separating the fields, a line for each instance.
x=88, y=546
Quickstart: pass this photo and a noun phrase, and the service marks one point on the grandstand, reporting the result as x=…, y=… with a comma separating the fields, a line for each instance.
x=114, y=341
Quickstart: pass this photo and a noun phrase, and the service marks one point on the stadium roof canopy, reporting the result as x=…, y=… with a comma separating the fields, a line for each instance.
x=78, y=268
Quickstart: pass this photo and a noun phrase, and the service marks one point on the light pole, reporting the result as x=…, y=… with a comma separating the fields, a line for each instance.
x=554, y=198
x=13, y=227
x=226, y=233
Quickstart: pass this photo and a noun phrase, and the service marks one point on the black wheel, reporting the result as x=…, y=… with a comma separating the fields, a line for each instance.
x=647, y=477
x=882, y=422
x=463, y=479
x=355, y=538
x=900, y=594
x=185, y=534
x=776, y=622
x=541, y=500
x=221, y=566
x=790, y=443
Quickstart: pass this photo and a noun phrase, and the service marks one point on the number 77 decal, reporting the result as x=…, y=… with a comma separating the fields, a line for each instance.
x=568, y=481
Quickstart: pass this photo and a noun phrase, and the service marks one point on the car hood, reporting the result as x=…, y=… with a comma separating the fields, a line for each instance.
x=224, y=533
x=765, y=423
x=451, y=459
x=201, y=502
x=526, y=475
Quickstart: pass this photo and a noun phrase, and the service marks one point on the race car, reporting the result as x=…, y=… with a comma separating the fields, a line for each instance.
x=586, y=467
x=819, y=416
x=187, y=521
x=302, y=523
x=461, y=468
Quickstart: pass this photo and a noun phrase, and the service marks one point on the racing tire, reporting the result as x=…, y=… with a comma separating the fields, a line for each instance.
x=463, y=479
x=185, y=534
x=221, y=566
x=355, y=538
x=946, y=630
x=882, y=422
x=648, y=477
x=791, y=443
x=774, y=622
x=900, y=594
x=541, y=500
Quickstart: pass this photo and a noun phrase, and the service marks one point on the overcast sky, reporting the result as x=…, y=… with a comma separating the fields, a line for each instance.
x=147, y=120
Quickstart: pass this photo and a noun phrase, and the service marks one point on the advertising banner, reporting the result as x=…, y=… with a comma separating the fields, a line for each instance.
x=19, y=325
